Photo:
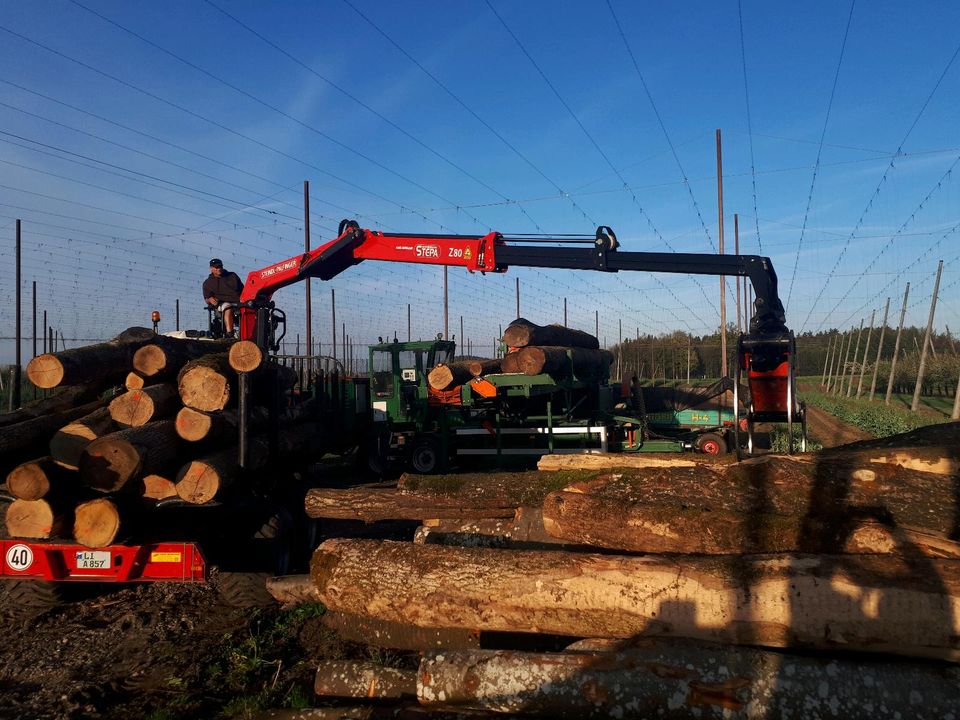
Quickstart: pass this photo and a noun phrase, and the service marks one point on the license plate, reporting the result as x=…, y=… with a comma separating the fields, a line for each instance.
x=93, y=560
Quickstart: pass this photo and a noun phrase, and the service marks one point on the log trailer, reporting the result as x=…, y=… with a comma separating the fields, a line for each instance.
x=765, y=354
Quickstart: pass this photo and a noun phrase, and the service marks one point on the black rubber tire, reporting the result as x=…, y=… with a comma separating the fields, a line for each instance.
x=30, y=596
x=426, y=457
x=249, y=589
x=712, y=444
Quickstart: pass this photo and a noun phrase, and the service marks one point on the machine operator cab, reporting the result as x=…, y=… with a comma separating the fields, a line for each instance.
x=398, y=376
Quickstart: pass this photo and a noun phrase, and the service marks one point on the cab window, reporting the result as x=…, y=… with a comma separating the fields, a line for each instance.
x=381, y=374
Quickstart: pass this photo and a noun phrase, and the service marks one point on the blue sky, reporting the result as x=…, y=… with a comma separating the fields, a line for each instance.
x=139, y=139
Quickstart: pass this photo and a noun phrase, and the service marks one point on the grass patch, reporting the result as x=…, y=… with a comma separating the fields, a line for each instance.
x=780, y=442
x=873, y=417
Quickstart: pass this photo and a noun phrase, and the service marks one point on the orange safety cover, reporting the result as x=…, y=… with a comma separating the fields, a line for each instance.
x=444, y=397
x=768, y=390
x=484, y=388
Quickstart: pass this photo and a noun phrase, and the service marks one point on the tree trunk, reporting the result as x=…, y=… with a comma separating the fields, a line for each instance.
x=207, y=383
x=110, y=462
x=521, y=333
x=91, y=364
x=138, y=407
x=158, y=487
x=372, y=505
x=509, y=363
x=30, y=438
x=479, y=368
x=194, y=425
x=37, y=519
x=353, y=679
x=293, y=589
x=589, y=461
x=559, y=361
x=200, y=480
x=858, y=603
x=613, y=523
x=394, y=635
x=96, y=523
x=38, y=478
x=165, y=355
x=680, y=680
x=63, y=400
x=447, y=375
x=69, y=442
x=245, y=356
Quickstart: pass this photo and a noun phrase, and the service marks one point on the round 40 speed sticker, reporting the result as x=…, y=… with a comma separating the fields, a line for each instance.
x=19, y=557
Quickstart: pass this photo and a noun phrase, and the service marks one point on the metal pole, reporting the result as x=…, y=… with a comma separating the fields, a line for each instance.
x=596, y=320
x=736, y=249
x=306, y=249
x=688, y=360
x=896, y=346
x=723, y=280
x=926, y=341
x=855, y=354
x=177, y=314
x=333, y=322
x=461, y=335
x=518, y=297
x=876, y=362
x=866, y=351
x=44, y=332
x=34, y=318
x=409, y=325
x=565, y=312
x=15, y=389
x=446, y=307
x=620, y=350
x=826, y=361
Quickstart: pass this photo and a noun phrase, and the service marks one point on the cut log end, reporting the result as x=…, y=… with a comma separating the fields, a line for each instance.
x=157, y=487
x=31, y=519
x=150, y=360
x=69, y=442
x=204, y=388
x=31, y=480
x=108, y=463
x=45, y=371
x=245, y=356
x=193, y=425
x=198, y=482
x=133, y=381
x=96, y=523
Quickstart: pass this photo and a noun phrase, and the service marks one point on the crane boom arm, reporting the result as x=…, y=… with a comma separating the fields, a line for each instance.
x=495, y=252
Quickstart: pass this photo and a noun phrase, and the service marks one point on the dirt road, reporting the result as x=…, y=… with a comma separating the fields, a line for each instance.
x=830, y=431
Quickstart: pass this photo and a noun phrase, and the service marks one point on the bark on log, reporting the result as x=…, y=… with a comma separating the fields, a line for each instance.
x=521, y=333
x=96, y=523
x=36, y=479
x=479, y=368
x=509, y=363
x=447, y=375
x=245, y=356
x=200, y=480
x=110, y=462
x=525, y=532
x=559, y=361
x=138, y=407
x=207, y=383
x=194, y=425
x=166, y=355
x=293, y=589
x=589, y=461
x=394, y=635
x=69, y=442
x=612, y=523
x=158, y=487
x=353, y=679
x=63, y=400
x=91, y=364
x=36, y=519
x=30, y=438
x=371, y=505
x=905, y=606
x=682, y=681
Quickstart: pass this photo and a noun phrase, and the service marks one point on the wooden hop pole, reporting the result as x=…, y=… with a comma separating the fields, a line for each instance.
x=853, y=365
x=915, y=404
x=866, y=351
x=876, y=363
x=896, y=346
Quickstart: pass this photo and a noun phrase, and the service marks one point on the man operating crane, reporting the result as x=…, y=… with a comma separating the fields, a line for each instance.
x=222, y=290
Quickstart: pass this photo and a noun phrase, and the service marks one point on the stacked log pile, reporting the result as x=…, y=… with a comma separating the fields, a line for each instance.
x=92, y=461
x=769, y=587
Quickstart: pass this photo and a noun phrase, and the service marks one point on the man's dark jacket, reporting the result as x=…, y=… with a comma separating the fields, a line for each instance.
x=226, y=288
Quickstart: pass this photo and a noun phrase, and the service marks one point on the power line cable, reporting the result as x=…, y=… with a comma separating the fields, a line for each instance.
x=746, y=94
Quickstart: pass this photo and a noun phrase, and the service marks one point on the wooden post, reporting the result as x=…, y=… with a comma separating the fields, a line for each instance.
x=842, y=366
x=853, y=365
x=736, y=250
x=15, y=390
x=866, y=351
x=876, y=363
x=955, y=415
x=826, y=361
x=896, y=346
x=306, y=249
x=723, y=280
x=926, y=341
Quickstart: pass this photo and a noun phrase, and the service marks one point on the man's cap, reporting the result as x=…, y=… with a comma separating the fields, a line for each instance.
x=217, y=263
